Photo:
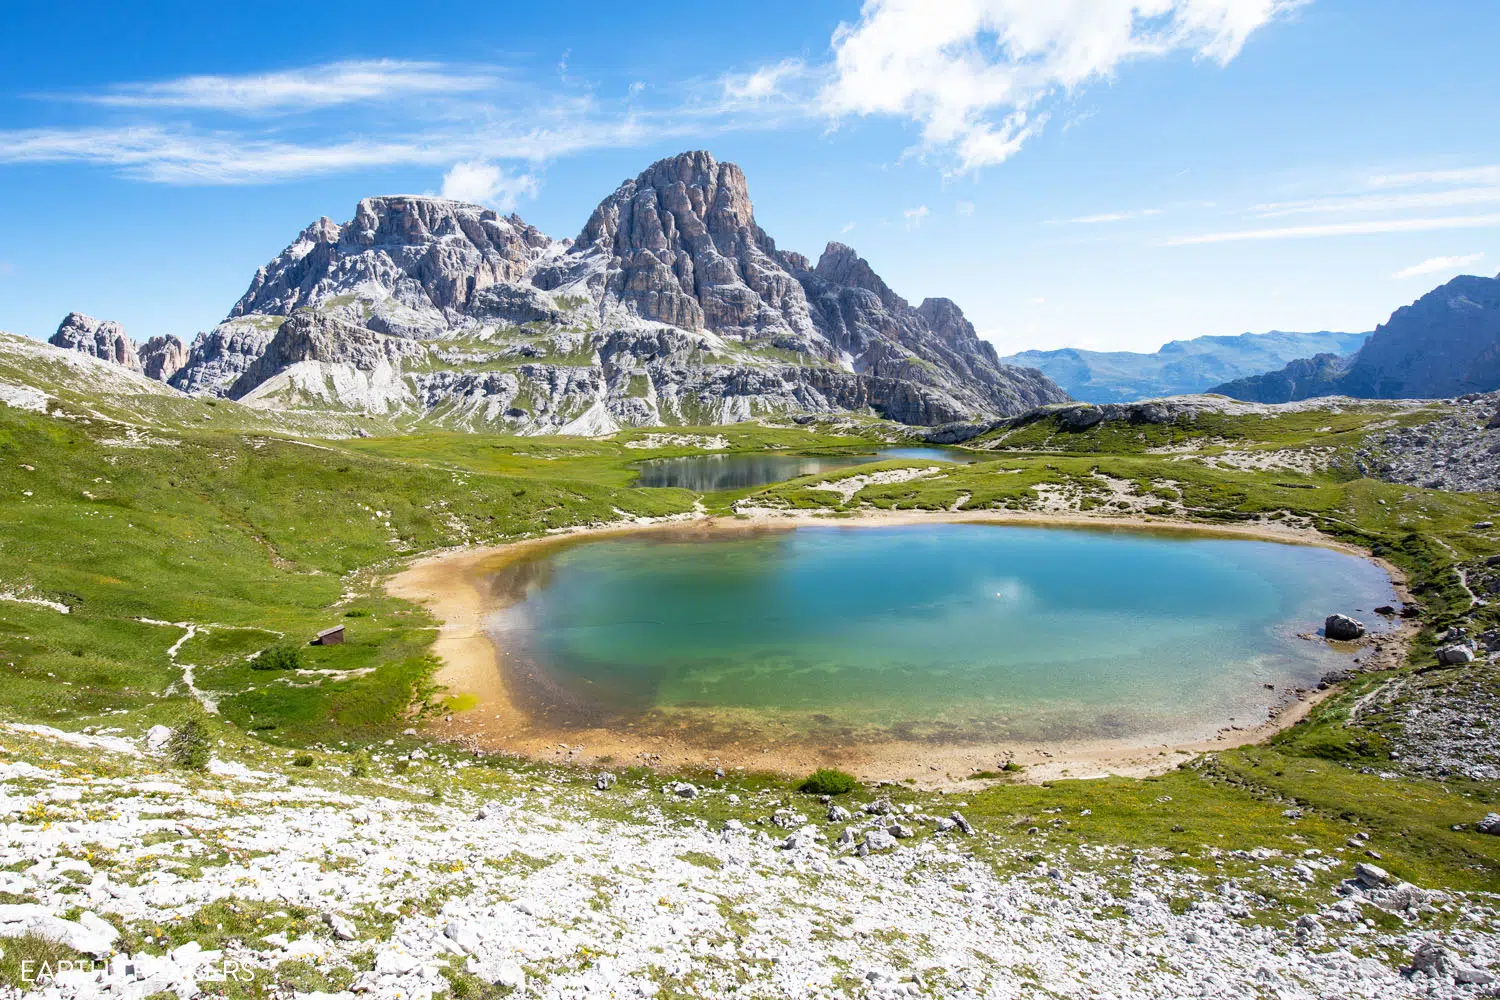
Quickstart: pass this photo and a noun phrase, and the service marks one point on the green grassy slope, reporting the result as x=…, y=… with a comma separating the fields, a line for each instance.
x=142, y=511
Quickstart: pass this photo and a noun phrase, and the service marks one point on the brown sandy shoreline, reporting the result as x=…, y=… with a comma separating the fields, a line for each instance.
x=446, y=583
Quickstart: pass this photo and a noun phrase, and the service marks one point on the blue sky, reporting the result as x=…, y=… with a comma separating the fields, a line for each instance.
x=1098, y=173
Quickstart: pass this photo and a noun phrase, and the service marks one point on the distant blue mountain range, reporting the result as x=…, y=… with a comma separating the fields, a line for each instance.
x=1181, y=366
x=1445, y=344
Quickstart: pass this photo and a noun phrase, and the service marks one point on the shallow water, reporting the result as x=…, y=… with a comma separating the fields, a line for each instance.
x=710, y=473
x=950, y=632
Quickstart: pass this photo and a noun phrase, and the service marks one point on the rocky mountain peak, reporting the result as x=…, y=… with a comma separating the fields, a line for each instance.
x=99, y=338
x=408, y=265
x=841, y=265
x=673, y=306
x=682, y=247
x=416, y=220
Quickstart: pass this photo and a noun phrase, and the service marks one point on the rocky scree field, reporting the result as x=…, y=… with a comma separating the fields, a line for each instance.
x=177, y=820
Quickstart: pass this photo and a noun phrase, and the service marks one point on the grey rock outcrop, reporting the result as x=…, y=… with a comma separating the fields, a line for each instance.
x=219, y=357
x=404, y=265
x=312, y=337
x=103, y=339
x=1303, y=378
x=161, y=357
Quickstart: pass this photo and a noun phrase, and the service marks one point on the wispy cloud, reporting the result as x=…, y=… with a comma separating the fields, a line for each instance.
x=1487, y=174
x=1105, y=217
x=294, y=90
x=1362, y=228
x=916, y=216
x=1435, y=265
x=768, y=82
x=462, y=117
x=964, y=208
x=1452, y=198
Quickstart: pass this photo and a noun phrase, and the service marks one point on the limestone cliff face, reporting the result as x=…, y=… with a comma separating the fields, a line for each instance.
x=308, y=336
x=409, y=266
x=681, y=247
x=103, y=339
x=220, y=356
x=672, y=306
x=933, y=344
x=161, y=357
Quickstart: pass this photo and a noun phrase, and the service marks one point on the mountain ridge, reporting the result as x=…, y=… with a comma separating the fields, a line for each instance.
x=672, y=306
x=1178, y=367
x=1443, y=345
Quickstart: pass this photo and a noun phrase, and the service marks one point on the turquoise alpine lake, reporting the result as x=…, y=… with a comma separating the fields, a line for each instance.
x=711, y=473
x=943, y=632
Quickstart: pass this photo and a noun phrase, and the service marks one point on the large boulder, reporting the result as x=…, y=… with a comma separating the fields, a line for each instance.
x=1342, y=628
x=1453, y=656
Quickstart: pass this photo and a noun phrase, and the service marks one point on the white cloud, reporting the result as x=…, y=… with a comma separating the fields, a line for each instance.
x=487, y=184
x=1434, y=265
x=764, y=83
x=916, y=216
x=975, y=73
x=848, y=228
x=305, y=89
x=964, y=208
x=1367, y=227
x=1105, y=217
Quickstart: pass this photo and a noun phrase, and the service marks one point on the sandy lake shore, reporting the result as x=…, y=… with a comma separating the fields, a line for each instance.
x=486, y=716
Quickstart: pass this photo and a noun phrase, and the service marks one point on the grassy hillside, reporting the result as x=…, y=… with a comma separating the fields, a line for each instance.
x=135, y=513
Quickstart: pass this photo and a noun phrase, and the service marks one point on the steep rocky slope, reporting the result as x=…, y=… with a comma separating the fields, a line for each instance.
x=1445, y=344
x=1179, y=367
x=672, y=307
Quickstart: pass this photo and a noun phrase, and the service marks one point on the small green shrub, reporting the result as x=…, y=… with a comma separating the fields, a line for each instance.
x=828, y=781
x=303, y=760
x=188, y=746
x=281, y=657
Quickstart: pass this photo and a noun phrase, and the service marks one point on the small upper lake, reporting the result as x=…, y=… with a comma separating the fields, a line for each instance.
x=710, y=473
x=948, y=632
